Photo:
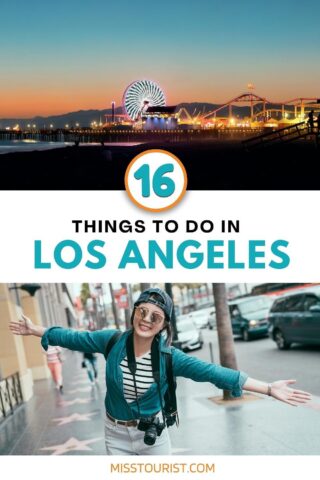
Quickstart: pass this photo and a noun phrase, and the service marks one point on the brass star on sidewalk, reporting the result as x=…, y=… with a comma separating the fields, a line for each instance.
x=72, y=445
x=75, y=417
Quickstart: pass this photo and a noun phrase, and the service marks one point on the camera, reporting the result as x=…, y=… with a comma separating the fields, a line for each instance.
x=171, y=419
x=152, y=428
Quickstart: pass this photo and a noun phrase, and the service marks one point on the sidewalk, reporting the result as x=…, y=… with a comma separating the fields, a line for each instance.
x=262, y=426
x=72, y=423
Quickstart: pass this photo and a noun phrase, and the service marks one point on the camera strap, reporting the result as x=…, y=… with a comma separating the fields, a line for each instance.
x=170, y=395
x=113, y=340
x=130, y=354
x=132, y=365
x=170, y=400
x=155, y=359
x=155, y=362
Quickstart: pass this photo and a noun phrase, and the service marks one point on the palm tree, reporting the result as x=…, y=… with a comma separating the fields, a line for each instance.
x=114, y=308
x=84, y=293
x=90, y=313
x=168, y=289
x=127, y=311
x=224, y=327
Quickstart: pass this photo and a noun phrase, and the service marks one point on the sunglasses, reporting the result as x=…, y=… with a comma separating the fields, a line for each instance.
x=154, y=317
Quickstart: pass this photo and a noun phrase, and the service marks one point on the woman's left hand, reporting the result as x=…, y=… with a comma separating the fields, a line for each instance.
x=281, y=391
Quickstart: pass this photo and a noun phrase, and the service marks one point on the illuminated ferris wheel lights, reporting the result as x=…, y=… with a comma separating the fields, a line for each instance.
x=140, y=95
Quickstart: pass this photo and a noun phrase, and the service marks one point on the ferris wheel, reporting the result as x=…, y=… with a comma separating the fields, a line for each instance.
x=140, y=94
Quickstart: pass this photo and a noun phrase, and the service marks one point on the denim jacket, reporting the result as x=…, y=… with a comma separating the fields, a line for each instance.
x=149, y=403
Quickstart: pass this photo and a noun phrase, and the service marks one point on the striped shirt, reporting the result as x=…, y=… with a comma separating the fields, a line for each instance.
x=143, y=376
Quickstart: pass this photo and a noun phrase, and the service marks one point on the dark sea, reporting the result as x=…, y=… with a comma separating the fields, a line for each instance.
x=9, y=146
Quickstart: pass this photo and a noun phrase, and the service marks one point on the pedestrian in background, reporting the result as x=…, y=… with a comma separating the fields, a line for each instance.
x=54, y=362
x=90, y=363
x=311, y=121
x=139, y=369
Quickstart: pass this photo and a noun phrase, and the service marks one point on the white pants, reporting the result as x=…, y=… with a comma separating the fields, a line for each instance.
x=121, y=440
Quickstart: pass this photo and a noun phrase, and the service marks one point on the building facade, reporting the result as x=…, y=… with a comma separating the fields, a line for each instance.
x=21, y=357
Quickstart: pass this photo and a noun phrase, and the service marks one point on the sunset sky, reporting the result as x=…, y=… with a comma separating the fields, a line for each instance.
x=68, y=55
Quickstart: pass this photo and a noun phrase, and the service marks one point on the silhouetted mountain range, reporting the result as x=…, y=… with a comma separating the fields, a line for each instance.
x=85, y=117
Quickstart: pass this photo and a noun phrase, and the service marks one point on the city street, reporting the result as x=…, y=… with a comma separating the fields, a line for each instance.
x=261, y=359
x=72, y=423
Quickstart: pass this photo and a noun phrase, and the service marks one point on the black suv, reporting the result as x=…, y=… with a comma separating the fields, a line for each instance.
x=249, y=316
x=295, y=318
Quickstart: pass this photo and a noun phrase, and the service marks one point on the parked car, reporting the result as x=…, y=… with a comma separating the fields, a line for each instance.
x=295, y=318
x=189, y=335
x=249, y=316
x=201, y=317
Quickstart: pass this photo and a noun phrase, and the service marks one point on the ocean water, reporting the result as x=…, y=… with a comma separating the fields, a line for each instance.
x=9, y=146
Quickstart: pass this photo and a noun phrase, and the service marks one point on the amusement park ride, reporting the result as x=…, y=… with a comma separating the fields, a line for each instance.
x=144, y=113
x=141, y=98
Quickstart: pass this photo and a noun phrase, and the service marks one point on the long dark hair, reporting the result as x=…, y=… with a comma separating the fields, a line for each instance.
x=168, y=329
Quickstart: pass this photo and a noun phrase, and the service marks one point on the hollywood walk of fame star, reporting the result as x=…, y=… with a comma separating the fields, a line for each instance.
x=75, y=417
x=72, y=445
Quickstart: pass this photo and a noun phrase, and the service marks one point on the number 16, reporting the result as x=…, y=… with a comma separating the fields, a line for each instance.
x=162, y=186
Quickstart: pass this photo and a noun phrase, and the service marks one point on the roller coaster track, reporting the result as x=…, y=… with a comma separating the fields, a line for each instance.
x=243, y=98
x=269, y=111
x=254, y=99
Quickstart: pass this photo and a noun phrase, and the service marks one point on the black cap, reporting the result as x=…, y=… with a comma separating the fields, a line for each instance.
x=158, y=297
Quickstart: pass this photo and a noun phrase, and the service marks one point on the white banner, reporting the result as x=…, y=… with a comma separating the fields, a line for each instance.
x=180, y=467
x=210, y=236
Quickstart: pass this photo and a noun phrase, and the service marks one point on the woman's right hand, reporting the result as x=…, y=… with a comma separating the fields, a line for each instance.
x=24, y=326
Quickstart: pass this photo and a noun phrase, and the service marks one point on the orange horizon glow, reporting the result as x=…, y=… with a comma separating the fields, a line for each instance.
x=29, y=103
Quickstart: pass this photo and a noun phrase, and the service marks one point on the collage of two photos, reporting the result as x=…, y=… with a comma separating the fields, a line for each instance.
x=174, y=144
